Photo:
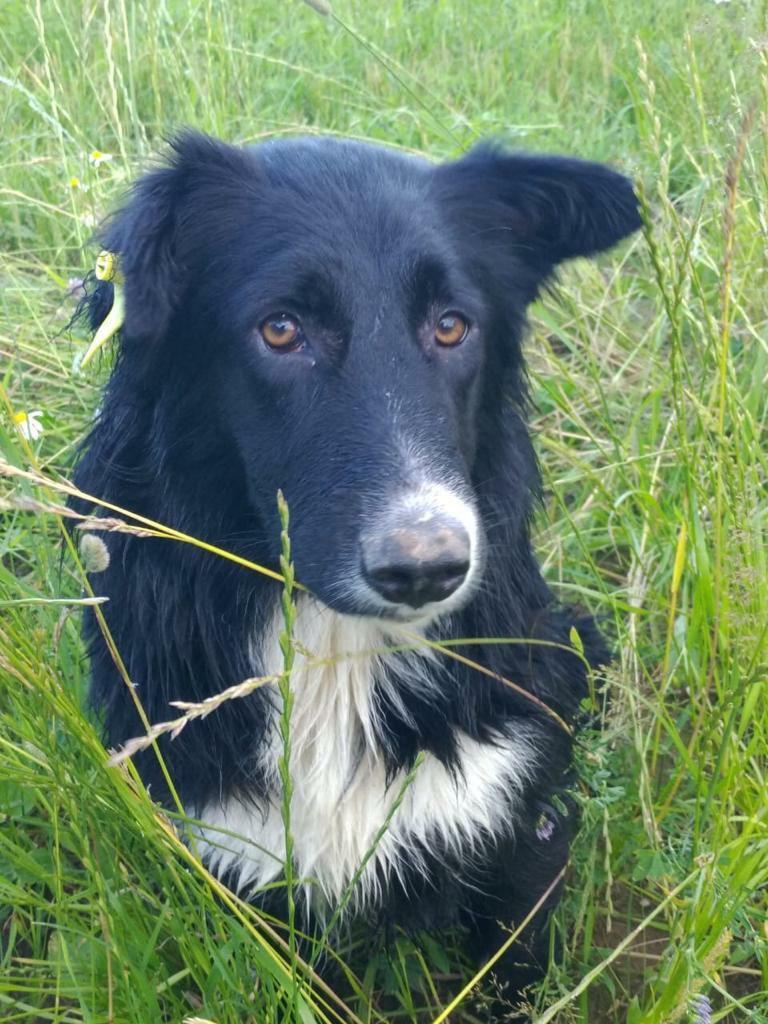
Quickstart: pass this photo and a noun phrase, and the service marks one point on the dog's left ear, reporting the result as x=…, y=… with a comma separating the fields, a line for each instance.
x=548, y=208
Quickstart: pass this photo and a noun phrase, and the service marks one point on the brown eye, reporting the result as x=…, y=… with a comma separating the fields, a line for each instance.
x=280, y=331
x=451, y=329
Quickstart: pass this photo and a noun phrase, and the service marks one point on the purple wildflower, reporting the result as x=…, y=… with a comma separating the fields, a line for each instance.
x=701, y=1010
x=545, y=828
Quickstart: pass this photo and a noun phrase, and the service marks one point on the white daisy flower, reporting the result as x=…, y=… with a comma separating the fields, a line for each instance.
x=97, y=157
x=28, y=424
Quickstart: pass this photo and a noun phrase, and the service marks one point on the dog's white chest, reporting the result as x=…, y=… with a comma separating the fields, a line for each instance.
x=341, y=798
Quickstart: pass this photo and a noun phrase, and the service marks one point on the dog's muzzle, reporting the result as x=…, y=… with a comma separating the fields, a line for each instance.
x=416, y=563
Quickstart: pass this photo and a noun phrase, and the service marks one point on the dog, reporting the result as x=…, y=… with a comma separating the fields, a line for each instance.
x=342, y=322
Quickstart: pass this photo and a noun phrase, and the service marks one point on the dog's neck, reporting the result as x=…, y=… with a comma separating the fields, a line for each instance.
x=345, y=673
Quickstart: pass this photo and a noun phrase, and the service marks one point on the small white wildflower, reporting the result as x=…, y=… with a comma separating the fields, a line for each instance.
x=28, y=424
x=75, y=288
x=97, y=157
x=88, y=220
x=94, y=553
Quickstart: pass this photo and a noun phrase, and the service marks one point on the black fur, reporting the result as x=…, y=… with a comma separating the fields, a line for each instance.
x=200, y=426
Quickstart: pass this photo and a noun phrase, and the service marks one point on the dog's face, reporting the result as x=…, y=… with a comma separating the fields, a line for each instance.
x=353, y=313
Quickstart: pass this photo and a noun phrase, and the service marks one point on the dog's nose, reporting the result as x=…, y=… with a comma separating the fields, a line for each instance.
x=417, y=563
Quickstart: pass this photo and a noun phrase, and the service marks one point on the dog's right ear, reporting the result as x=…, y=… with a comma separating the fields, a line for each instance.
x=145, y=233
x=142, y=235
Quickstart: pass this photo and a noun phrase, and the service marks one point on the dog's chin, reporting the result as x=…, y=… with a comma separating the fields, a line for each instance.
x=361, y=602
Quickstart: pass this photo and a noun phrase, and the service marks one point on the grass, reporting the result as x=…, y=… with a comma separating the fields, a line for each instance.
x=649, y=372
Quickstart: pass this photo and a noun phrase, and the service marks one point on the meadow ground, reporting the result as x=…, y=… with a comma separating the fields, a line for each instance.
x=649, y=377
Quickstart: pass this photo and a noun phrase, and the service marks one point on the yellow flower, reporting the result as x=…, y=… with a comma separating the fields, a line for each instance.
x=28, y=424
x=97, y=157
x=74, y=182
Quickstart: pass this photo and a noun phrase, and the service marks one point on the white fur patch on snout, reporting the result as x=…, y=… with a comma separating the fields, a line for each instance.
x=341, y=798
x=434, y=502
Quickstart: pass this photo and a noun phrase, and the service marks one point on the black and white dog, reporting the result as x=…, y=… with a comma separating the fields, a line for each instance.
x=343, y=322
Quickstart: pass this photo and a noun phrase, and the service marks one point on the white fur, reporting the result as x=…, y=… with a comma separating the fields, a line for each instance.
x=340, y=797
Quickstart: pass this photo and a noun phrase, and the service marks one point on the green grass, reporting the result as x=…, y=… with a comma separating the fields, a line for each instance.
x=649, y=372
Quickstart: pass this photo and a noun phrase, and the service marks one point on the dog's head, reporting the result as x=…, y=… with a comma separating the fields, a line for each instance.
x=348, y=320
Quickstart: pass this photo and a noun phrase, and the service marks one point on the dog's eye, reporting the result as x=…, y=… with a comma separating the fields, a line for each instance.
x=451, y=329
x=280, y=331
